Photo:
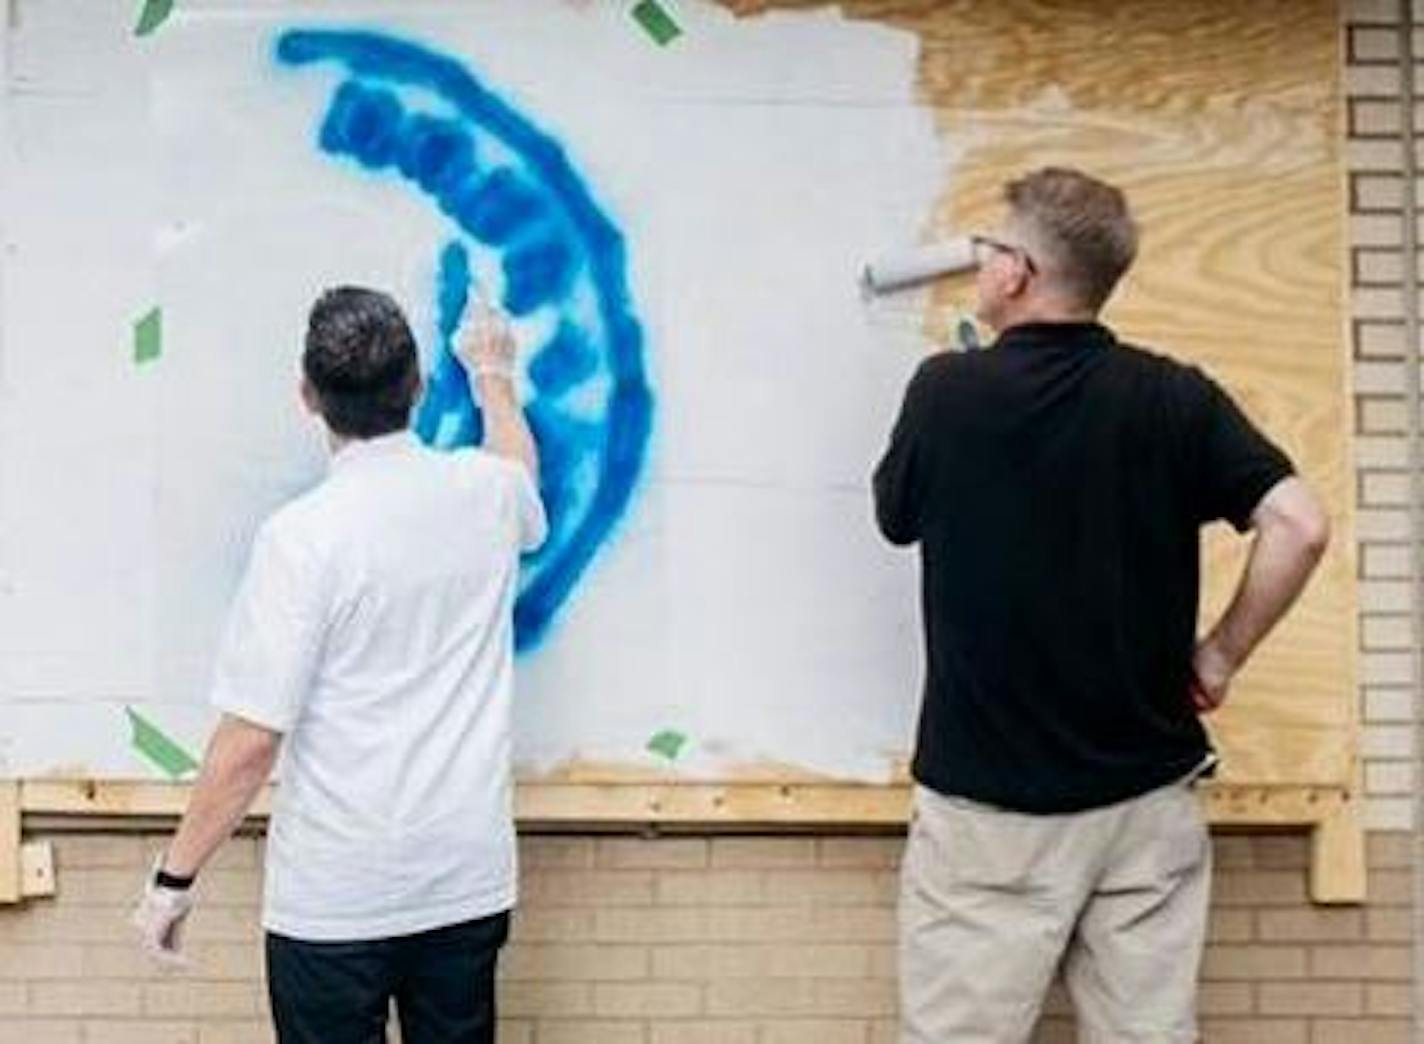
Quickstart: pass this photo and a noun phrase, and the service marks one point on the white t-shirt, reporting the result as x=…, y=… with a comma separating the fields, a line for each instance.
x=374, y=629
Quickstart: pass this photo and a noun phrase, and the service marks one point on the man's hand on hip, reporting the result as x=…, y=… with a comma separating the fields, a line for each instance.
x=1212, y=671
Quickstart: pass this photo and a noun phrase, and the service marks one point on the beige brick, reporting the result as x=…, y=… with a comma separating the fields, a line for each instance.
x=760, y=997
x=1385, y=596
x=192, y=999
x=1387, y=741
x=869, y=853
x=41, y=960
x=1387, y=524
x=1372, y=81
x=1389, y=705
x=83, y=998
x=1383, y=303
x=1233, y=852
x=855, y=997
x=1249, y=963
x=1230, y=926
x=830, y=887
x=1389, y=998
x=577, y=962
x=1383, y=416
x=1387, y=778
x=1369, y=44
x=1224, y=998
x=1362, y=1031
x=1259, y=888
x=1376, y=267
x=626, y=853
x=1377, y=191
x=243, y=1032
x=763, y=924
x=556, y=853
x=1386, y=488
x=1255, y=1031
x=546, y=1000
x=819, y=1031
x=646, y=999
x=762, y=961
x=1390, y=561
x=41, y=1031
x=1387, y=668
x=1375, y=230
x=1381, y=451
x=1393, y=963
x=764, y=852
x=1371, y=12
x=1311, y=924
x=1389, y=925
x=710, y=888
x=651, y=925
x=1374, y=154
x=554, y=924
x=514, y=1031
x=1390, y=631
x=591, y=1033
x=722, y=1032
x=14, y=999
x=1311, y=998
x=1282, y=851
x=146, y=1032
x=1389, y=813
x=1390, y=851
x=588, y=888
x=1374, y=118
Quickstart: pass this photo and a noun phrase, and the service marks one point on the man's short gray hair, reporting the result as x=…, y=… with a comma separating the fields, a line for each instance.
x=1083, y=223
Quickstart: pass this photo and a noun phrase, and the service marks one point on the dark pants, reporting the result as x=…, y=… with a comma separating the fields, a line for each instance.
x=340, y=993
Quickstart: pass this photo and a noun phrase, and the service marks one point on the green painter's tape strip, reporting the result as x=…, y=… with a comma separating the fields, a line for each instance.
x=155, y=13
x=668, y=743
x=149, y=741
x=656, y=22
x=148, y=337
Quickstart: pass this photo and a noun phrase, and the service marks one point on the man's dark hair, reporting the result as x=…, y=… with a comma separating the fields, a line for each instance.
x=361, y=360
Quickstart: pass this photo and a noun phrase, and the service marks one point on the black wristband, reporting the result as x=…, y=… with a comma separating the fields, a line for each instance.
x=163, y=879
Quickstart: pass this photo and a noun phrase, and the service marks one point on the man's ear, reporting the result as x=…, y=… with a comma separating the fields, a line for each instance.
x=310, y=399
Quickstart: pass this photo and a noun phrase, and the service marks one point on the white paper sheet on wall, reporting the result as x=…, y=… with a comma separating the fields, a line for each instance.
x=726, y=578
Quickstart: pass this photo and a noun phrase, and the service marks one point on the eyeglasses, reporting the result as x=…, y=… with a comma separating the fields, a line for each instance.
x=998, y=246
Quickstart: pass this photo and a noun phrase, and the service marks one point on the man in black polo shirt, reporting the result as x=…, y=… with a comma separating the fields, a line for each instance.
x=1057, y=484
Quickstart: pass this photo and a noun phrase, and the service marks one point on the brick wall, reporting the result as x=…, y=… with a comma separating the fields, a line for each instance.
x=787, y=940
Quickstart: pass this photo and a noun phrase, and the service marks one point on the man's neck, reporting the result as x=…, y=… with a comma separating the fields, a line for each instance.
x=1046, y=312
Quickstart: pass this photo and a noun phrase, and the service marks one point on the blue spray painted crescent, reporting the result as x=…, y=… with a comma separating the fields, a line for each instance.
x=590, y=407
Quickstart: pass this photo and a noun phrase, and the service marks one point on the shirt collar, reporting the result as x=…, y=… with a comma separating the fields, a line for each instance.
x=1063, y=334
x=356, y=450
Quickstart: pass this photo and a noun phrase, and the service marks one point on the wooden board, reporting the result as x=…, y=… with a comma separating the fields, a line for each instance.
x=1329, y=813
x=1223, y=122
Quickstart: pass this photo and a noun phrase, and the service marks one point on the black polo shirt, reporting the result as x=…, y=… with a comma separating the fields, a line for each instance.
x=1057, y=483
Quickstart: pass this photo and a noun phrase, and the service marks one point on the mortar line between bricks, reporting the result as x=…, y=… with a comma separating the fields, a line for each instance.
x=1410, y=242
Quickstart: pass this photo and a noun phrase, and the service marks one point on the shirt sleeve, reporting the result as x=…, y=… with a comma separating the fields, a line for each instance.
x=1237, y=464
x=274, y=636
x=531, y=522
x=899, y=480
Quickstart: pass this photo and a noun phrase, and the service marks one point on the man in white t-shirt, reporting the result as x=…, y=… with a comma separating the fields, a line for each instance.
x=371, y=643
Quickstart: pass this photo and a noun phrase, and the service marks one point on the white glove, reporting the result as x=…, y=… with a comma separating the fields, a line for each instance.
x=159, y=919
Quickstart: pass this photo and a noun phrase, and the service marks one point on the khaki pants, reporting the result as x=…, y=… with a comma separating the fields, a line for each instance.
x=992, y=902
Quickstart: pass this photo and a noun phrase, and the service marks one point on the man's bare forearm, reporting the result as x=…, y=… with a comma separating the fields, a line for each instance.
x=506, y=429
x=1291, y=535
x=236, y=766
